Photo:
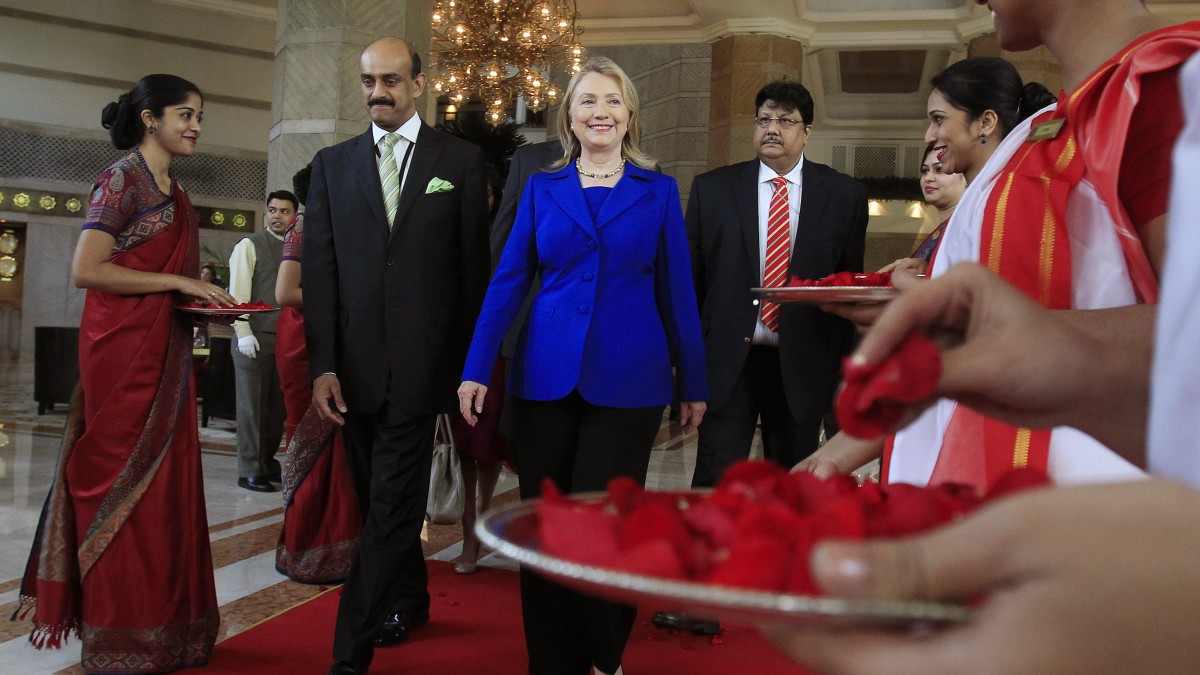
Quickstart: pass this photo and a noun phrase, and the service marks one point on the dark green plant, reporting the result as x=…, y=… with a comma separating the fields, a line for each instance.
x=499, y=141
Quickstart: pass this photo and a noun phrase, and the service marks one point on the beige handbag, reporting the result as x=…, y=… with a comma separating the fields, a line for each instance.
x=446, y=496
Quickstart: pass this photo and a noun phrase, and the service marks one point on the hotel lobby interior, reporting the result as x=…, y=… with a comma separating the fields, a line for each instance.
x=280, y=82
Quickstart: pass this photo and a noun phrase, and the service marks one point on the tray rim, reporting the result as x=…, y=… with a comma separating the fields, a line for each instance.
x=765, y=607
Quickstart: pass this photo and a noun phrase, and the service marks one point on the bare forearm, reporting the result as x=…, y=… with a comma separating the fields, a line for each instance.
x=112, y=278
x=849, y=453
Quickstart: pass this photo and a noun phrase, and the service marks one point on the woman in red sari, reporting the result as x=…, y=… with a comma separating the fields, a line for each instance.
x=321, y=517
x=942, y=190
x=121, y=556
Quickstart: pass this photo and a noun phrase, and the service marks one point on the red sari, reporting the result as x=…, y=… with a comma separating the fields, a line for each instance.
x=321, y=519
x=121, y=555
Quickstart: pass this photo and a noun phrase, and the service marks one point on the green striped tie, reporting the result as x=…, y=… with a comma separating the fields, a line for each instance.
x=389, y=176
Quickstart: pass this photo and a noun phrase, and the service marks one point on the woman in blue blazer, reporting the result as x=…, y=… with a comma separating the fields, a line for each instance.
x=591, y=372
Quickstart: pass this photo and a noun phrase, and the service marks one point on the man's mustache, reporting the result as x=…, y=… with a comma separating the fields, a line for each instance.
x=381, y=101
x=771, y=139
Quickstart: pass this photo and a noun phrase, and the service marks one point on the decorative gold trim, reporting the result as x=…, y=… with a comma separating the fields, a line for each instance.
x=1021, y=448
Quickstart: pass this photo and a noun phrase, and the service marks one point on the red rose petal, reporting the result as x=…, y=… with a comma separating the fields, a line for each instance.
x=874, y=397
x=756, y=530
x=651, y=521
x=908, y=509
x=762, y=563
x=846, y=279
x=652, y=558
x=625, y=493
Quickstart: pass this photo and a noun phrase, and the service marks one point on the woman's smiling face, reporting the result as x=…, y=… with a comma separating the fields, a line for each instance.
x=955, y=137
x=941, y=189
x=599, y=116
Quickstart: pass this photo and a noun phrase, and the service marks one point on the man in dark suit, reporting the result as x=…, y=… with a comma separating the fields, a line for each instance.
x=394, y=271
x=776, y=363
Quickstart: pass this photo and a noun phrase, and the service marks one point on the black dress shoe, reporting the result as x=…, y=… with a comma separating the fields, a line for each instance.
x=685, y=622
x=397, y=626
x=256, y=483
x=275, y=476
x=343, y=668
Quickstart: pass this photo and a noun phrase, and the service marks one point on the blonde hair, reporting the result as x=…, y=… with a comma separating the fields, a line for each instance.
x=602, y=65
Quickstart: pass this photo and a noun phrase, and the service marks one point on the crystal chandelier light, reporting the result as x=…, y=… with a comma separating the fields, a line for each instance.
x=501, y=49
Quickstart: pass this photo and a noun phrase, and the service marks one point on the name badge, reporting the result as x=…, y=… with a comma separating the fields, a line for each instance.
x=1044, y=131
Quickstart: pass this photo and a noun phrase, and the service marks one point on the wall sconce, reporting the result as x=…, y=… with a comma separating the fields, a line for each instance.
x=874, y=207
x=915, y=210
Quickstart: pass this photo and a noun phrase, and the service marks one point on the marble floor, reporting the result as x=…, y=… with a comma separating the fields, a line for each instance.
x=244, y=526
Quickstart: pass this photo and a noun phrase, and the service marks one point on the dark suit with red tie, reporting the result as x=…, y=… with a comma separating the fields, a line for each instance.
x=790, y=387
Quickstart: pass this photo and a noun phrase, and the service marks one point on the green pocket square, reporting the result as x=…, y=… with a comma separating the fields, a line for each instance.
x=438, y=185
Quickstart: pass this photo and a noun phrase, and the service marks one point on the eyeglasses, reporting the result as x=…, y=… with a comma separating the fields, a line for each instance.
x=785, y=123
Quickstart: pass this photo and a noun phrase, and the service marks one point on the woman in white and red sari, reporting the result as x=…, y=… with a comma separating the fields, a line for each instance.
x=121, y=556
x=322, y=520
x=1071, y=209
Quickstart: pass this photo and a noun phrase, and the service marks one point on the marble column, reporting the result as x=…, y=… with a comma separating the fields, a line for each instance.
x=316, y=100
x=741, y=65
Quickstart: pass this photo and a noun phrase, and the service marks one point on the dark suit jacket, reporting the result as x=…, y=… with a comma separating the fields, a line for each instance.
x=617, y=306
x=526, y=161
x=722, y=225
x=402, y=302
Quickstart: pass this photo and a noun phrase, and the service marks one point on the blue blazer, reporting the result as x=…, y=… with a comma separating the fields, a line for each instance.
x=617, y=306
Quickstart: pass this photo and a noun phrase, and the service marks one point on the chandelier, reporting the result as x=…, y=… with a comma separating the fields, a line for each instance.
x=502, y=49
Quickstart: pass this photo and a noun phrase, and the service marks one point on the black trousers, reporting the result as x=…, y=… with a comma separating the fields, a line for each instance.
x=390, y=457
x=580, y=447
x=727, y=432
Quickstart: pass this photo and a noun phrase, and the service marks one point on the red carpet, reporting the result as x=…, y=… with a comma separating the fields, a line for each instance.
x=475, y=628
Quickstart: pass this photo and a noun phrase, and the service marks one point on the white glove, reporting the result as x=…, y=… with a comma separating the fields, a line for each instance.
x=248, y=346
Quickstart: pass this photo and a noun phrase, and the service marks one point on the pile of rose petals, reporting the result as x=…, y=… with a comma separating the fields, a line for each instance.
x=754, y=531
x=247, y=306
x=875, y=396
x=846, y=279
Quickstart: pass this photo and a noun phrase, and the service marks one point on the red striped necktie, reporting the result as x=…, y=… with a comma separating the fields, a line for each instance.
x=779, y=248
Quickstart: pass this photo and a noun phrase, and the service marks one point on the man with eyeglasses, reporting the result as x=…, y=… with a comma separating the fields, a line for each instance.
x=754, y=224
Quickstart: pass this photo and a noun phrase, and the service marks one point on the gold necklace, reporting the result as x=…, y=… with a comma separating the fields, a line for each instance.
x=589, y=174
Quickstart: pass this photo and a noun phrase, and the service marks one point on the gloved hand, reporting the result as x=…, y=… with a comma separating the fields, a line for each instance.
x=248, y=346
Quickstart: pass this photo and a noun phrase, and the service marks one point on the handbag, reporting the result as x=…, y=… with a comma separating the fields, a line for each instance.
x=446, y=495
